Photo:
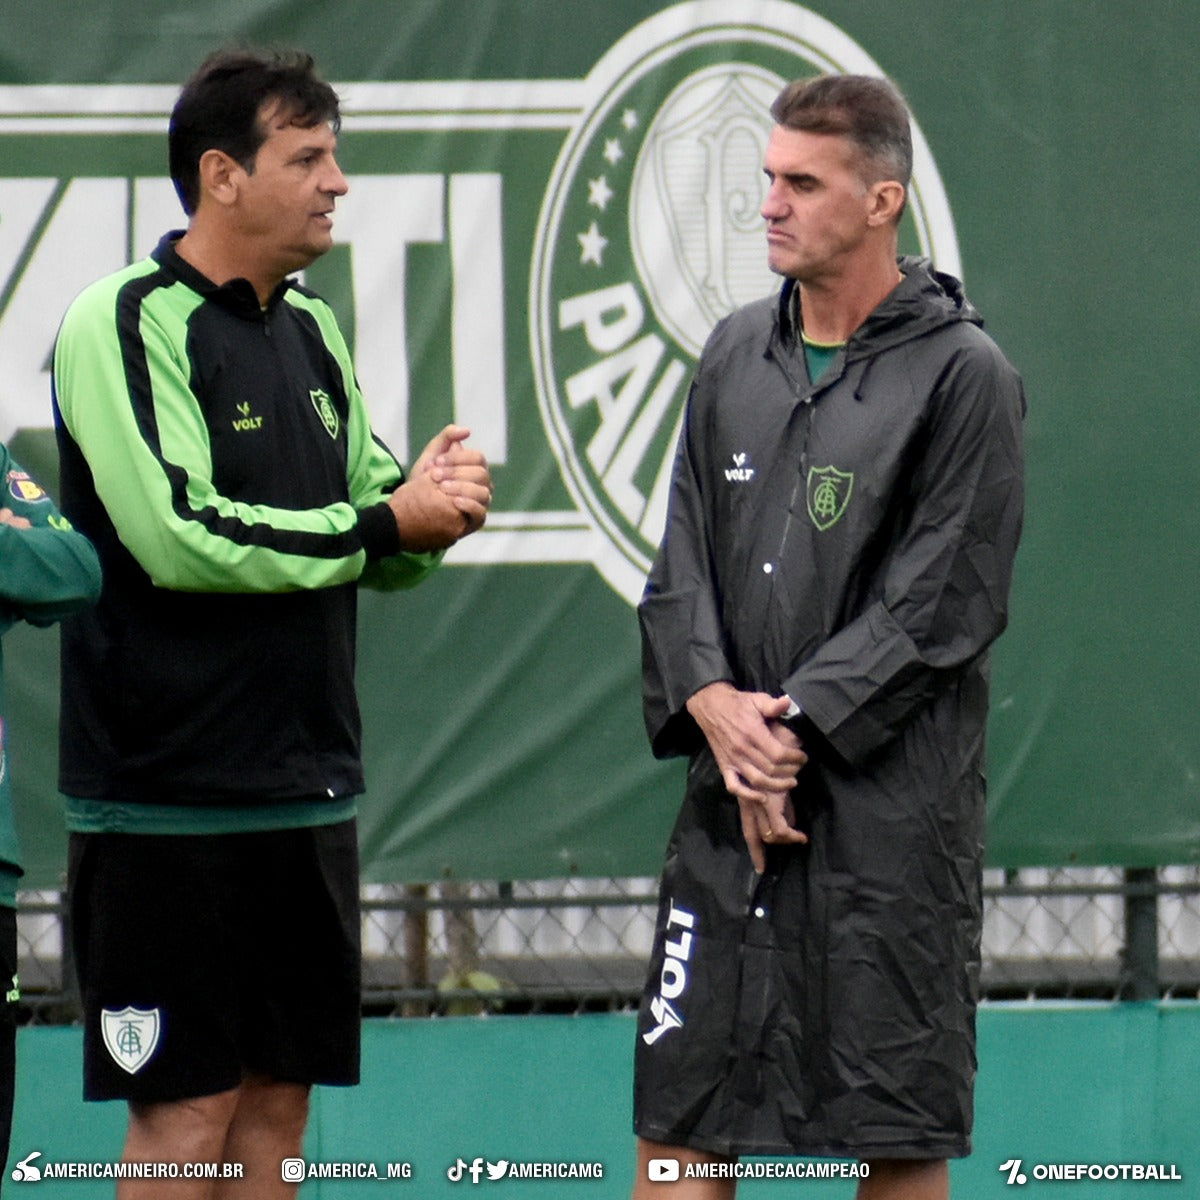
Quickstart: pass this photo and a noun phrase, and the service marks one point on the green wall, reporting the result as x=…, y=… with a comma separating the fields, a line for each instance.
x=1058, y=1083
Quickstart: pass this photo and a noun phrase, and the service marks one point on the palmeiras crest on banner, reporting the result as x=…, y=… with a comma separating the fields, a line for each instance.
x=650, y=233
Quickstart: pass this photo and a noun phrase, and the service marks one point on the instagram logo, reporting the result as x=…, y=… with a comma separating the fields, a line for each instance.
x=293, y=1170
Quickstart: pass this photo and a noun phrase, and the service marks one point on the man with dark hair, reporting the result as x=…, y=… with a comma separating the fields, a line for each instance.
x=216, y=448
x=815, y=637
x=218, y=110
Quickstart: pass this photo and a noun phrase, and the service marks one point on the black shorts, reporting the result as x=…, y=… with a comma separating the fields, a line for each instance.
x=204, y=957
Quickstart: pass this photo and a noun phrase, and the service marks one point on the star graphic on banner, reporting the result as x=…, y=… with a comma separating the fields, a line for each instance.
x=629, y=119
x=613, y=152
x=599, y=193
x=592, y=243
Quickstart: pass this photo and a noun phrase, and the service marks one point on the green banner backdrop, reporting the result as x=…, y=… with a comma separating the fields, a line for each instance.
x=550, y=205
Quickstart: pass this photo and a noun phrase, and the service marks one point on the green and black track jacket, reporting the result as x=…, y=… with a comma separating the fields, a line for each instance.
x=219, y=455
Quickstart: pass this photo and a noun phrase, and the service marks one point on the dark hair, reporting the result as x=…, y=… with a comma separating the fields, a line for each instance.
x=220, y=105
x=870, y=112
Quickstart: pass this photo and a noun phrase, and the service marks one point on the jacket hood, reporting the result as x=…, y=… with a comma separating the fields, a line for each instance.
x=925, y=299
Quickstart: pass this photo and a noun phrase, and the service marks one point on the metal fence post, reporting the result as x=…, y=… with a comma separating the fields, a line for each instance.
x=416, y=946
x=1140, y=976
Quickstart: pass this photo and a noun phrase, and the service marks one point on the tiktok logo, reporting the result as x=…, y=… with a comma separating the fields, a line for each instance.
x=475, y=1170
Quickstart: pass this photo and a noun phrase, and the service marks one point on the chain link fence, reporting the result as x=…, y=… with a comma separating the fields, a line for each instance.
x=581, y=945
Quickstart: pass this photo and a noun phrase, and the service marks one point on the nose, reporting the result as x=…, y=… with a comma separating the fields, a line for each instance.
x=772, y=205
x=336, y=183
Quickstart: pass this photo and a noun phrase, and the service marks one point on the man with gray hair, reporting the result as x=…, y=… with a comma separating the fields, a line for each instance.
x=815, y=636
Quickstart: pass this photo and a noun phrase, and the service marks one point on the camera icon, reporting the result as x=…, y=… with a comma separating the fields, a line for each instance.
x=293, y=1170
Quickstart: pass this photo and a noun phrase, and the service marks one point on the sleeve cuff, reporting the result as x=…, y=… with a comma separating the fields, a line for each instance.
x=378, y=531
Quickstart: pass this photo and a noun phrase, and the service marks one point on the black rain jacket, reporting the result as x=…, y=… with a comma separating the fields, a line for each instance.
x=850, y=543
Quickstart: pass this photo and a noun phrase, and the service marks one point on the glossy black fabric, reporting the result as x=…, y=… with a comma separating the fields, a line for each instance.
x=850, y=544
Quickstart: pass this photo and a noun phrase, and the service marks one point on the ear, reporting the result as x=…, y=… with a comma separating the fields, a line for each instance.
x=220, y=177
x=886, y=203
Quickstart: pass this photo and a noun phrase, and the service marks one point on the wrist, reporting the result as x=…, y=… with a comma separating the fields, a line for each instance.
x=701, y=694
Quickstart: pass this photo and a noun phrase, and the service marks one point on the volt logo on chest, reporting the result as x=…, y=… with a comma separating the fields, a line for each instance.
x=741, y=471
x=247, y=420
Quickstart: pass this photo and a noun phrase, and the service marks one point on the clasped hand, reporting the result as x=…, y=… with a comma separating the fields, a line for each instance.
x=446, y=496
x=759, y=757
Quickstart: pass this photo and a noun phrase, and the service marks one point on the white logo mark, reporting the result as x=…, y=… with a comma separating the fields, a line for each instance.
x=131, y=1035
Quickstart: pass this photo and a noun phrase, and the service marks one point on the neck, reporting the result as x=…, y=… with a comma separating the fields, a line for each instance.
x=833, y=309
x=221, y=258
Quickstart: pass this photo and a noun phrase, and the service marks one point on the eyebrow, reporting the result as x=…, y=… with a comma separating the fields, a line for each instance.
x=315, y=146
x=793, y=177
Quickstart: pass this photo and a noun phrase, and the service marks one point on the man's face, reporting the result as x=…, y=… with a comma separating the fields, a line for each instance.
x=816, y=206
x=287, y=200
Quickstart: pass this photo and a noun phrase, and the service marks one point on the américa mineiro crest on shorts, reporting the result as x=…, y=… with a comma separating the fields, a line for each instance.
x=131, y=1035
x=650, y=233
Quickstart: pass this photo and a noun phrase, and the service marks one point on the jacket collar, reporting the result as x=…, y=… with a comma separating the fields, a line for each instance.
x=237, y=296
x=923, y=300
